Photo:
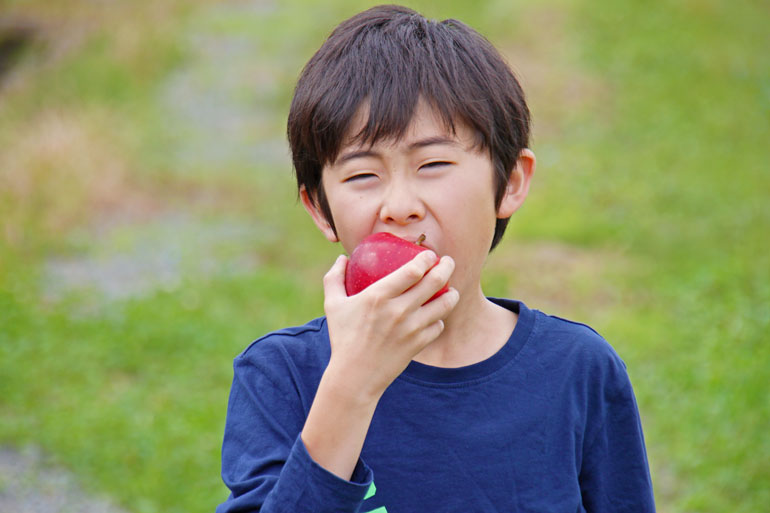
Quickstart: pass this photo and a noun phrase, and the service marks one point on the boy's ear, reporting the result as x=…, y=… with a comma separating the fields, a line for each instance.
x=311, y=205
x=518, y=185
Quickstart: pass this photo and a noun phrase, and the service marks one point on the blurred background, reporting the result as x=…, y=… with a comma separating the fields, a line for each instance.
x=149, y=228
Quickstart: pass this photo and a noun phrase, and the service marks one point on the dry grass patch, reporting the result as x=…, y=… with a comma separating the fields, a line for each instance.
x=558, y=278
x=60, y=170
x=545, y=57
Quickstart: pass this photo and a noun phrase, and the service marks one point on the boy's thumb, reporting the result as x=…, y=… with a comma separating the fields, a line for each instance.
x=334, y=280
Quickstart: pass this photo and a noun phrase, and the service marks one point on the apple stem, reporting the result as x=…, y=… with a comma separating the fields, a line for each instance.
x=420, y=239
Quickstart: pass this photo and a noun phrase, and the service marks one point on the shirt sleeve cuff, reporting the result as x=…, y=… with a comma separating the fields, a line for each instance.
x=328, y=491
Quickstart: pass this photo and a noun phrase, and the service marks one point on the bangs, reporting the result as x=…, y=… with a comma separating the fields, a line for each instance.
x=389, y=76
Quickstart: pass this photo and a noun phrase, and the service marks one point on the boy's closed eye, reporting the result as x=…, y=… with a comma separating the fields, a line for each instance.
x=428, y=165
x=360, y=176
x=437, y=163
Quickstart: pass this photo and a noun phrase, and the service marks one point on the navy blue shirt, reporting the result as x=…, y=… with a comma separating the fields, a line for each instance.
x=547, y=424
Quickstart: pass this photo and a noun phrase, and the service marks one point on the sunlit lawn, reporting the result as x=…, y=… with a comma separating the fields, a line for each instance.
x=149, y=229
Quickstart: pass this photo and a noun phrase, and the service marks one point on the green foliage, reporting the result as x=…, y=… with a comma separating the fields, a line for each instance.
x=650, y=197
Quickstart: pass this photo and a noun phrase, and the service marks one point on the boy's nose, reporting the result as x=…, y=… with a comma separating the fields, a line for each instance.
x=401, y=205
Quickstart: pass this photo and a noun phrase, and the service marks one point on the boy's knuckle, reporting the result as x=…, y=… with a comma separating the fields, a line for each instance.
x=413, y=273
x=437, y=280
x=330, y=304
x=411, y=328
x=429, y=333
x=373, y=300
x=435, y=329
x=328, y=278
x=395, y=311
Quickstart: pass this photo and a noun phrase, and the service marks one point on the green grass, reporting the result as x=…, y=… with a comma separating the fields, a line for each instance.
x=687, y=83
x=133, y=398
x=650, y=126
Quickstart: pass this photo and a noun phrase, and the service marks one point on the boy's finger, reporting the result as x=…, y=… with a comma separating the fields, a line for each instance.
x=439, y=308
x=434, y=280
x=334, y=279
x=409, y=274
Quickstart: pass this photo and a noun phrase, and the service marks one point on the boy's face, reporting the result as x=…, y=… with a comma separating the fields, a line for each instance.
x=428, y=182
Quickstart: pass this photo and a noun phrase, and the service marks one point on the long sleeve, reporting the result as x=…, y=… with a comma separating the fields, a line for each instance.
x=264, y=462
x=615, y=477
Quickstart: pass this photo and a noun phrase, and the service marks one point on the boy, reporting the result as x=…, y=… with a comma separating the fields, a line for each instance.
x=389, y=403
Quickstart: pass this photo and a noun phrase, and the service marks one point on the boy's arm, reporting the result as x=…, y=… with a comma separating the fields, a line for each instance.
x=274, y=458
x=615, y=475
x=374, y=335
x=264, y=462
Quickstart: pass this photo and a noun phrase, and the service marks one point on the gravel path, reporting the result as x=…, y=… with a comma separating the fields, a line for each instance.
x=221, y=106
x=30, y=484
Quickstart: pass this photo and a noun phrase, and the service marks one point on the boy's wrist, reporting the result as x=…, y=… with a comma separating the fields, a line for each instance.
x=350, y=388
x=337, y=424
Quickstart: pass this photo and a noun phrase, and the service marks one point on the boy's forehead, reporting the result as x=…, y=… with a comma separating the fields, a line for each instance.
x=426, y=121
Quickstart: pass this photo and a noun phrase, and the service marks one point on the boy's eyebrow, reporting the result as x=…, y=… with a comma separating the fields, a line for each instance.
x=428, y=141
x=355, y=155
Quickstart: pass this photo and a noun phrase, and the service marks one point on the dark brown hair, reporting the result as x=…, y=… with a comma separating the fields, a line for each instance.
x=389, y=57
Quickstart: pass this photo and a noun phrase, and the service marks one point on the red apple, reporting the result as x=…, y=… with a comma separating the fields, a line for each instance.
x=377, y=256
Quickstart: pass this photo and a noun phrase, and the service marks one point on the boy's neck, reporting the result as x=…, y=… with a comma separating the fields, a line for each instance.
x=474, y=331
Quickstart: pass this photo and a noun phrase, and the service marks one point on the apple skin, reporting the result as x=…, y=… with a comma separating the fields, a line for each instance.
x=377, y=256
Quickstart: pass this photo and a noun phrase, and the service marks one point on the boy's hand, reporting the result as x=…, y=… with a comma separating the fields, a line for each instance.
x=375, y=334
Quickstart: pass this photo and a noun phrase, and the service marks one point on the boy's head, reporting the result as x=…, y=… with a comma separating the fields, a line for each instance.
x=386, y=60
